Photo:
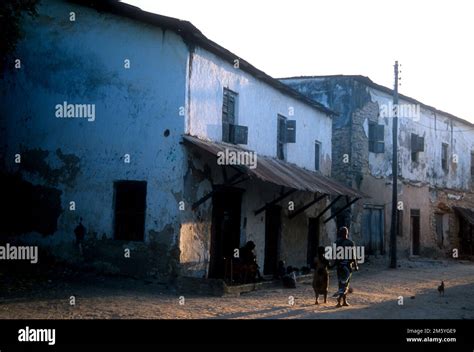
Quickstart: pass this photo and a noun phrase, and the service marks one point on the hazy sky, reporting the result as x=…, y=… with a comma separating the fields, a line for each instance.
x=433, y=40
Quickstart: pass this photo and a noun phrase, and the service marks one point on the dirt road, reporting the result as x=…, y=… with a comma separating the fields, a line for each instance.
x=376, y=295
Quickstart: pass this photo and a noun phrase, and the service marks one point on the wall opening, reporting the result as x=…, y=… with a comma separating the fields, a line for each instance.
x=225, y=229
x=415, y=231
x=130, y=209
x=27, y=207
x=272, y=239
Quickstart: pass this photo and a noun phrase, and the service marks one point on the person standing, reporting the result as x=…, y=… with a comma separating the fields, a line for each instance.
x=344, y=266
x=80, y=232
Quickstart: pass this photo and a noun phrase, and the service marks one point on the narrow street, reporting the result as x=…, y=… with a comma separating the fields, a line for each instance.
x=376, y=293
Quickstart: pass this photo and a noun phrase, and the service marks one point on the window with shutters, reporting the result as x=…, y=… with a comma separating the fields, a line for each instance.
x=417, y=145
x=286, y=133
x=444, y=156
x=376, y=138
x=281, y=137
x=228, y=114
x=317, y=155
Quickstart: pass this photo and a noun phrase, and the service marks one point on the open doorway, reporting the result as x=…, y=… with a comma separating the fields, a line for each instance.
x=225, y=231
x=272, y=239
x=313, y=241
x=415, y=231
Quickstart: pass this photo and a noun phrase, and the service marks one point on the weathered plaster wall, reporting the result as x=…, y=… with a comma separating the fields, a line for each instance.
x=436, y=129
x=421, y=185
x=82, y=62
x=258, y=105
x=195, y=236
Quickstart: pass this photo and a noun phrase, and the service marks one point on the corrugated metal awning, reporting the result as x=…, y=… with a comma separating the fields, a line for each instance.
x=279, y=172
x=466, y=213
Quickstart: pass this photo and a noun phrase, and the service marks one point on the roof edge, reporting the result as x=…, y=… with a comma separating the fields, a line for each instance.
x=192, y=34
x=366, y=80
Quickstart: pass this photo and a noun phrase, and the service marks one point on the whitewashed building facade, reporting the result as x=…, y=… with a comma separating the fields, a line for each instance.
x=143, y=172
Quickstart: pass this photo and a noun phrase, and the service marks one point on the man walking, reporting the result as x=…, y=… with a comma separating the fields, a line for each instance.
x=345, y=266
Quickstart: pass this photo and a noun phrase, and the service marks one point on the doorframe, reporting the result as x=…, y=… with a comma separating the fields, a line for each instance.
x=278, y=239
x=220, y=190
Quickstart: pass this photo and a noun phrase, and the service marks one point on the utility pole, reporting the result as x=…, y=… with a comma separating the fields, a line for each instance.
x=394, y=223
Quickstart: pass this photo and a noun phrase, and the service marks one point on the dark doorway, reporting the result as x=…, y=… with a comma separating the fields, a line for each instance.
x=130, y=205
x=225, y=232
x=415, y=231
x=272, y=239
x=373, y=230
x=313, y=240
x=466, y=237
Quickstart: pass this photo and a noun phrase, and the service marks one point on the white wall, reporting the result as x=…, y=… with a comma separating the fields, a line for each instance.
x=428, y=170
x=83, y=62
x=258, y=107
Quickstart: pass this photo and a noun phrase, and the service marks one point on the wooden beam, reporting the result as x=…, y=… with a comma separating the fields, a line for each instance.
x=304, y=207
x=230, y=182
x=328, y=207
x=342, y=209
x=276, y=200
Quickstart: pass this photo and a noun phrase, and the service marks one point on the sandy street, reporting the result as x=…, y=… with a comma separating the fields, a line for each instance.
x=376, y=293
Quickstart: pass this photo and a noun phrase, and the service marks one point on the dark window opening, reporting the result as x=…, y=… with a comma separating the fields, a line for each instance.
x=317, y=155
x=444, y=156
x=130, y=206
x=376, y=138
x=281, y=137
x=417, y=145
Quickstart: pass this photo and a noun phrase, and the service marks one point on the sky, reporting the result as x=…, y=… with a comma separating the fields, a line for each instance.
x=432, y=40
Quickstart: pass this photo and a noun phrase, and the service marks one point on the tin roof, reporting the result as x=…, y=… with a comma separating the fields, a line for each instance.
x=280, y=172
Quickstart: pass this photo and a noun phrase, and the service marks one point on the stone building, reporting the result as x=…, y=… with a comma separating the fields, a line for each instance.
x=435, y=163
x=136, y=123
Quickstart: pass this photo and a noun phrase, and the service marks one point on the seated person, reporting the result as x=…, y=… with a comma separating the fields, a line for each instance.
x=248, y=260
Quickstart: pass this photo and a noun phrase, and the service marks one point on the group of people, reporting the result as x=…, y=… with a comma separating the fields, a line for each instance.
x=344, y=268
x=251, y=272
